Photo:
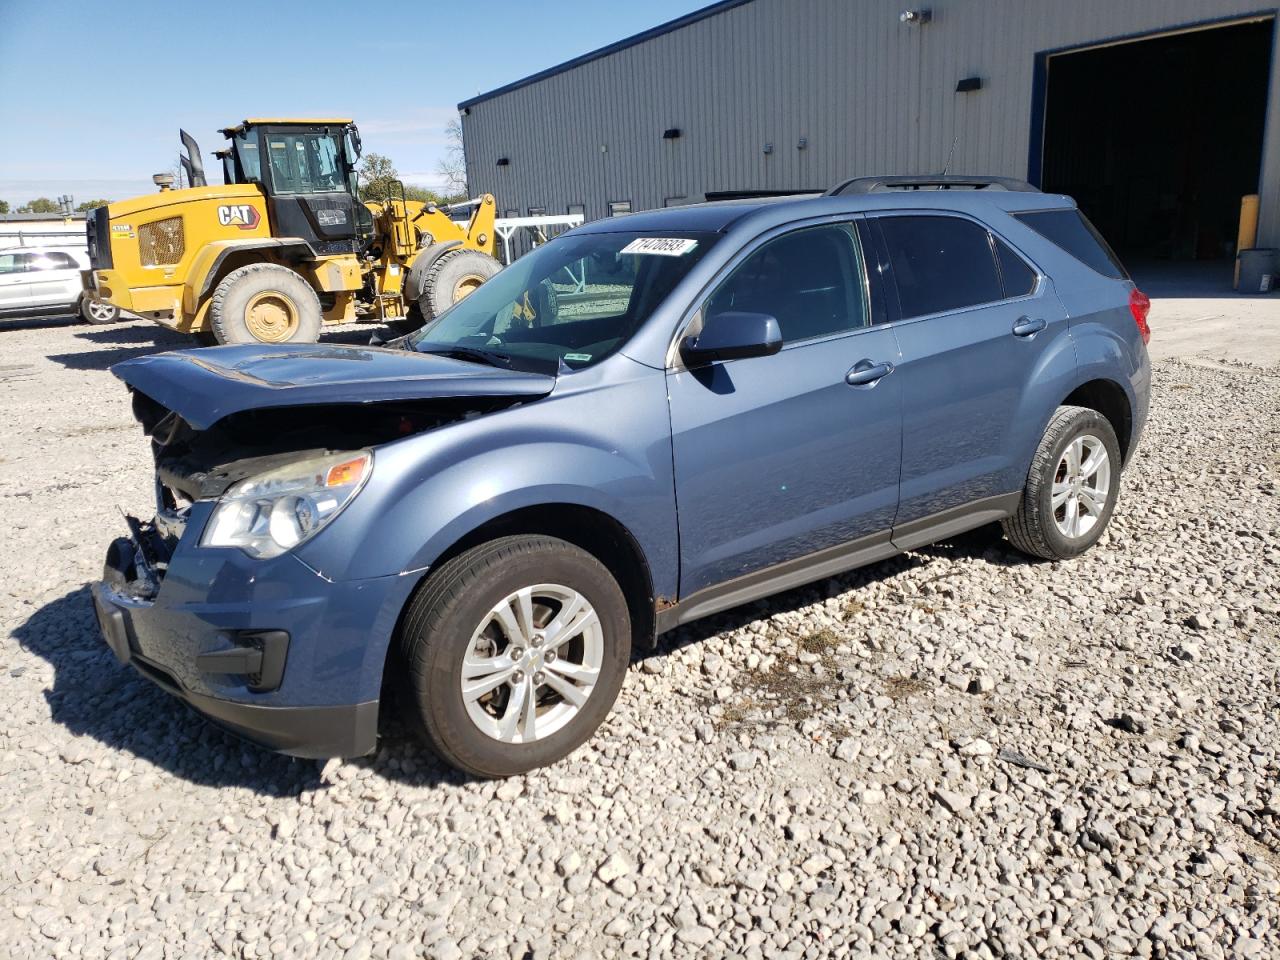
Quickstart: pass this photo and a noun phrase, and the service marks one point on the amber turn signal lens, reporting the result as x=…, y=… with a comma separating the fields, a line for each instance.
x=342, y=474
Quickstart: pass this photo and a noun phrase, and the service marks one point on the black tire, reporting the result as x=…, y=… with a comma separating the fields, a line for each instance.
x=455, y=601
x=454, y=274
x=97, y=311
x=417, y=272
x=282, y=290
x=1033, y=529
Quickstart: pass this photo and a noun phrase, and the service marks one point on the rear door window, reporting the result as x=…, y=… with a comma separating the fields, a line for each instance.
x=809, y=280
x=51, y=260
x=14, y=262
x=1017, y=275
x=940, y=263
x=1070, y=230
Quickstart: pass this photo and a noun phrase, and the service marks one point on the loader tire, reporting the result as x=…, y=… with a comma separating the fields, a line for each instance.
x=421, y=266
x=264, y=303
x=453, y=277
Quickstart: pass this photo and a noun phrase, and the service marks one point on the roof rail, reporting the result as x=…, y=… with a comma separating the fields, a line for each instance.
x=889, y=184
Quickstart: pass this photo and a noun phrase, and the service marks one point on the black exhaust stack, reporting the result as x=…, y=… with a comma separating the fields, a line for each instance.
x=191, y=162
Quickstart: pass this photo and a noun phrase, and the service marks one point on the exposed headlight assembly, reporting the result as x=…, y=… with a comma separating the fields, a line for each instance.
x=275, y=511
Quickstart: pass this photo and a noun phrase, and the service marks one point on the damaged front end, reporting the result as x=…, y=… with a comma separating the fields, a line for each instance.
x=254, y=455
x=277, y=476
x=254, y=428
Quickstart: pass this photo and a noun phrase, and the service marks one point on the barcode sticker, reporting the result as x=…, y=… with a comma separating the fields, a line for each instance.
x=660, y=246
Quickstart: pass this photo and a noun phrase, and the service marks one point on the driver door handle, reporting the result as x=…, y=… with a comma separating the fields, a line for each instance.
x=867, y=373
x=1027, y=328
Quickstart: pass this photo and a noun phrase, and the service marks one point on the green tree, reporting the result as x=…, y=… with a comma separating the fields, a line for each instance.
x=378, y=173
x=4, y=206
x=376, y=176
x=90, y=204
x=40, y=205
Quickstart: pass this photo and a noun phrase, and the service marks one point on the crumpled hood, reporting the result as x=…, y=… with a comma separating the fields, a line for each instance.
x=204, y=386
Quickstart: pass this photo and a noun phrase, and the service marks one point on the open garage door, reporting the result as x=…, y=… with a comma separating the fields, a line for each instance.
x=1159, y=138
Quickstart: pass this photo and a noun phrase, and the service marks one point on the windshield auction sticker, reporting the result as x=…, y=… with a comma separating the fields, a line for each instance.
x=660, y=246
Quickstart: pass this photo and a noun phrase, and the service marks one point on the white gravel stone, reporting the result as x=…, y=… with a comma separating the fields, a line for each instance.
x=616, y=866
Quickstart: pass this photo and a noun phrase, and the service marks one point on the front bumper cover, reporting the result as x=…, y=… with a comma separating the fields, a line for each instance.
x=270, y=651
x=344, y=730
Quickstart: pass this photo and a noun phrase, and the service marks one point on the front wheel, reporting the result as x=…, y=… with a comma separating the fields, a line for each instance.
x=1071, y=488
x=266, y=303
x=516, y=651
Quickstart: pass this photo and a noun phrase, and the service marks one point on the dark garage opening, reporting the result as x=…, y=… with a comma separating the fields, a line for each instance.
x=1158, y=139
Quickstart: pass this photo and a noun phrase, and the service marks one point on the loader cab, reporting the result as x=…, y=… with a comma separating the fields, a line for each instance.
x=306, y=168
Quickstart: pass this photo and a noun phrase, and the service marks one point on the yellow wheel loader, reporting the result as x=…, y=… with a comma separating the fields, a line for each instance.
x=285, y=245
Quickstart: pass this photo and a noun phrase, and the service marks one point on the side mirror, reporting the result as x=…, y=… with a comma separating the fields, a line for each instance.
x=732, y=336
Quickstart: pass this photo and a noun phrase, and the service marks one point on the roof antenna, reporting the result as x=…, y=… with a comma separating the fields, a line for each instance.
x=950, y=153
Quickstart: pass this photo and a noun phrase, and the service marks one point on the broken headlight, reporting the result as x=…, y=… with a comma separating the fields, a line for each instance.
x=275, y=511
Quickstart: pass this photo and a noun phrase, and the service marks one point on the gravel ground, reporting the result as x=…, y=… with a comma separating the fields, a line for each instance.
x=952, y=753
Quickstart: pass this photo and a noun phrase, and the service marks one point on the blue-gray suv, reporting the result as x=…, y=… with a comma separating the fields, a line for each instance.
x=645, y=421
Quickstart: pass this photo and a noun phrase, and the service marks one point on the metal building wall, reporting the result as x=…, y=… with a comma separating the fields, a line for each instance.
x=868, y=93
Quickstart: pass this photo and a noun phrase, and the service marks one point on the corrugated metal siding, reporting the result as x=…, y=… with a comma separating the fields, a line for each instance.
x=869, y=93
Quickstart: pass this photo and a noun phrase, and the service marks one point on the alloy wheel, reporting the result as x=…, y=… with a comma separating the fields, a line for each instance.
x=101, y=311
x=1081, y=485
x=532, y=663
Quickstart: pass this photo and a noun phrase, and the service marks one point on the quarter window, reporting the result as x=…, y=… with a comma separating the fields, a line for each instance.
x=809, y=280
x=1018, y=277
x=940, y=264
x=1072, y=231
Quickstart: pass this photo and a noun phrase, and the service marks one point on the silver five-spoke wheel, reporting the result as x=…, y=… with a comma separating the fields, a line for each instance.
x=532, y=663
x=1081, y=485
x=102, y=312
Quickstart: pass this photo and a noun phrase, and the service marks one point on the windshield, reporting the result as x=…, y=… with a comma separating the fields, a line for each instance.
x=572, y=301
x=305, y=162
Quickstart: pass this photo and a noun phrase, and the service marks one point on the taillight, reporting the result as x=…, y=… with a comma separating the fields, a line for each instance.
x=1140, y=306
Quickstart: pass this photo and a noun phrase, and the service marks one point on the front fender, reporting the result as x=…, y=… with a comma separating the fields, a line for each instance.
x=607, y=448
x=206, y=264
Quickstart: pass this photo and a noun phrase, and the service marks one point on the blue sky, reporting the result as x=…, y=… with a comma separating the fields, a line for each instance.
x=94, y=92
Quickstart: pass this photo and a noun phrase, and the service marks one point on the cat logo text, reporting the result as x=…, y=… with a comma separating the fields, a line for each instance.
x=242, y=215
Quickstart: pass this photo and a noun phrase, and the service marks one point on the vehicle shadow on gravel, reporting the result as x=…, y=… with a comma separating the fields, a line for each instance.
x=95, y=696
x=135, y=340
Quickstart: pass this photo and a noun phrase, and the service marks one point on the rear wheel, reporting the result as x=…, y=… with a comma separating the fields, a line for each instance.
x=1071, y=488
x=454, y=276
x=264, y=303
x=98, y=311
x=516, y=651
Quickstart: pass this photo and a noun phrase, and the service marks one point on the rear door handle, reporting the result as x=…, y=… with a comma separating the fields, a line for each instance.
x=1028, y=328
x=867, y=373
